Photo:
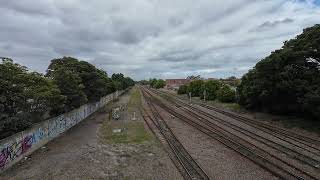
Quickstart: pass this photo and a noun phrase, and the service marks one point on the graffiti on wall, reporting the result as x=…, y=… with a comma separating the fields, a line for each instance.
x=12, y=149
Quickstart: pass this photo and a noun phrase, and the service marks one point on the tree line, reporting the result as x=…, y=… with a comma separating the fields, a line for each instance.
x=210, y=90
x=286, y=82
x=154, y=83
x=30, y=97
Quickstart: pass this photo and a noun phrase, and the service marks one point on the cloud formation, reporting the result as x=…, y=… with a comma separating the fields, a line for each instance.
x=152, y=38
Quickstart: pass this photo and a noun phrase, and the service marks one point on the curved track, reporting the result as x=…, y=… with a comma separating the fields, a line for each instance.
x=276, y=165
x=181, y=158
x=292, y=150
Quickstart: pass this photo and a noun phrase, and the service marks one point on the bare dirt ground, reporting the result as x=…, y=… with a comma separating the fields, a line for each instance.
x=91, y=150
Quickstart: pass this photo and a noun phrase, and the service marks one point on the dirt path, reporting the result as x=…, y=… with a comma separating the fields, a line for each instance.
x=91, y=151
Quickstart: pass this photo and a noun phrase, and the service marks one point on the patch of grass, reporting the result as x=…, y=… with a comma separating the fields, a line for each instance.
x=295, y=122
x=217, y=103
x=132, y=132
x=233, y=106
x=135, y=99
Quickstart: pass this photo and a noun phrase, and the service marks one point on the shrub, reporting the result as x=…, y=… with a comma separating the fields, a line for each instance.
x=196, y=88
x=183, y=89
x=211, y=88
x=226, y=94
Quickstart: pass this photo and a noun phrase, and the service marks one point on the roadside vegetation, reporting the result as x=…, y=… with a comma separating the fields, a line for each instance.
x=30, y=97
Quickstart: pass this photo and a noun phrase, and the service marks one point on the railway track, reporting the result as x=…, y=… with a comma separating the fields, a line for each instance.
x=279, y=132
x=291, y=151
x=187, y=166
x=304, y=143
x=307, y=141
x=268, y=161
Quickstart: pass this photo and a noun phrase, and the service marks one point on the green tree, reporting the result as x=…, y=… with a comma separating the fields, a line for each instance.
x=71, y=87
x=287, y=81
x=25, y=97
x=121, y=82
x=13, y=103
x=183, y=89
x=152, y=82
x=95, y=81
x=108, y=83
x=226, y=94
x=159, y=84
x=196, y=88
x=29, y=97
x=211, y=87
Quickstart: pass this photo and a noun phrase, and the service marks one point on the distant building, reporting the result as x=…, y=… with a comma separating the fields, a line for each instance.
x=174, y=84
x=232, y=81
x=212, y=79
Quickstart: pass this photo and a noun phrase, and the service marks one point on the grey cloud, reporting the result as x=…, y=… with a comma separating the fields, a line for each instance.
x=174, y=21
x=28, y=7
x=271, y=24
x=145, y=38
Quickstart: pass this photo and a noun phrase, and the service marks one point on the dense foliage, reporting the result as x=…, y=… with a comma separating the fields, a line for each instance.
x=94, y=82
x=287, y=81
x=29, y=97
x=121, y=81
x=226, y=94
x=196, y=88
x=25, y=97
x=183, y=89
x=71, y=87
x=157, y=83
x=214, y=89
x=144, y=82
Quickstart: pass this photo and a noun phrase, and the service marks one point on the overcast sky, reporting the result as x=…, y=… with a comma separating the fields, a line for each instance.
x=152, y=38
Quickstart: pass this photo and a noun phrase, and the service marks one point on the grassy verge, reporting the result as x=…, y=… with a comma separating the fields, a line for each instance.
x=135, y=100
x=233, y=106
x=132, y=131
x=294, y=122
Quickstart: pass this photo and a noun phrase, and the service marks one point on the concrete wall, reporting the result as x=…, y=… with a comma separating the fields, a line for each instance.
x=17, y=146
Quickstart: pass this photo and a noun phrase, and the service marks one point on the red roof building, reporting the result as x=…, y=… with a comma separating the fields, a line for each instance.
x=174, y=84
